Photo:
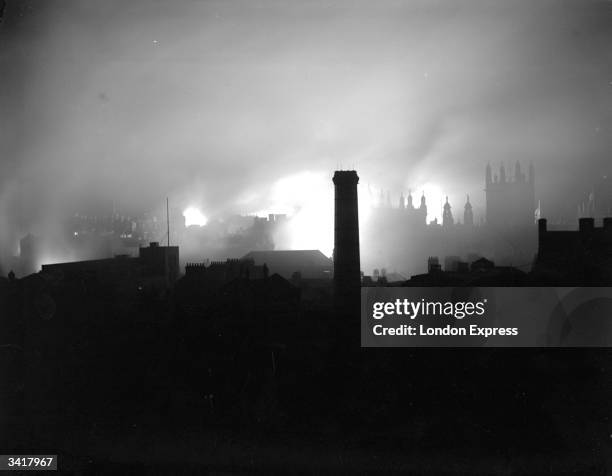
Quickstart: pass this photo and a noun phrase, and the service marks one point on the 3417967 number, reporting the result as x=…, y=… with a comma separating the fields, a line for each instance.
x=28, y=462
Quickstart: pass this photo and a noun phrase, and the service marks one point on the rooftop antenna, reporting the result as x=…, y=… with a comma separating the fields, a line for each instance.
x=168, y=219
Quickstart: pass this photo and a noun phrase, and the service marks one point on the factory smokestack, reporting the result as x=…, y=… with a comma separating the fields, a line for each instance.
x=347, y=273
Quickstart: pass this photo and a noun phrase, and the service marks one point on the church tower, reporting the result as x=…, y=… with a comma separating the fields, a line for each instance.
x=447, y=215
x=510, y=201
x=423, y=208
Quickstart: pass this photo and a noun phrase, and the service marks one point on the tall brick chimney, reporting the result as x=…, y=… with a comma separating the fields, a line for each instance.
x=347, y=272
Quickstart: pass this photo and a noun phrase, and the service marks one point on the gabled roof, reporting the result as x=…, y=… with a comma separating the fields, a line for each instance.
x=482, y=263
x=275, y=288
x=296, y=259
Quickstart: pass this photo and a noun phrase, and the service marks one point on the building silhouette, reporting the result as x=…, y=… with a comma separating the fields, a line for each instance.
x=480, y=272
x=397, y=238
x=579, y=257
x=468, y=214
x=242, y=353
x=510, y=202
x=220, y=272
x=310, y=264
x=156, y=267
x=447, y=215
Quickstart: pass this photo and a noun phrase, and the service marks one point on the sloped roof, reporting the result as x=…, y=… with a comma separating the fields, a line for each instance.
x=395, y=277
x=482, y=263
x=295, y=259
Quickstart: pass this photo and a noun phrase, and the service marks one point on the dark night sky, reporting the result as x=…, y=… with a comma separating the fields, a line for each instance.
x=249, y=106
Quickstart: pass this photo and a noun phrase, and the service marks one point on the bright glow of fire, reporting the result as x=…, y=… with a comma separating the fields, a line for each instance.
x=308, y=200
x=193, y=216
x=434, y=199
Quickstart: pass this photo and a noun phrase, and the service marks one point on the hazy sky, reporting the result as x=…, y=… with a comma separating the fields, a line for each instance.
x=214, y=102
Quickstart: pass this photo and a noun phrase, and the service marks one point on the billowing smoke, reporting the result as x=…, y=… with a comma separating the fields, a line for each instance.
x=218, y=104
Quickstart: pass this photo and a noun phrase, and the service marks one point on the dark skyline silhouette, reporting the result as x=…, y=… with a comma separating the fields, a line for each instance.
x=329, y=150
x=234, y=348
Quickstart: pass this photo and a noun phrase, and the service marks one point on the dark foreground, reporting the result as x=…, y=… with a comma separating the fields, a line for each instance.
x=120, y=387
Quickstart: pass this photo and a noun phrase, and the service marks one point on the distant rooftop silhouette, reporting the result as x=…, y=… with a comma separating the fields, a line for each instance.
x=310, y=263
